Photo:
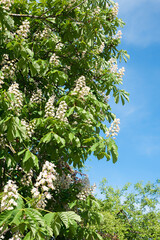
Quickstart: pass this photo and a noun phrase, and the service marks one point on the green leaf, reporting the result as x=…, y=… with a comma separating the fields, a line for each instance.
x=17, y=218
x=30, y=160
x=64, y=218
x=73, y=216
x=59, y=139
x=71, y=136
x=122, y=100
x=15, y=129
x=113, y=149
x=70, y=111
x=49, y=217
x=46, y=138
x=35, y=216
x=116, y=99
x=7, y=216
x=29, y=236
x=56, y=225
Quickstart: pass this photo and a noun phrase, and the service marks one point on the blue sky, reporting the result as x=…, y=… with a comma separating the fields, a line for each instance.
x=139, y=137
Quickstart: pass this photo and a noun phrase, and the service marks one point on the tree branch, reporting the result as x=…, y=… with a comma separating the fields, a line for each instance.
x=77, y=6
x=26, y=15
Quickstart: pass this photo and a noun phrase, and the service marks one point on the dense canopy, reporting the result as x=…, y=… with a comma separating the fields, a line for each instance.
x=58, y=67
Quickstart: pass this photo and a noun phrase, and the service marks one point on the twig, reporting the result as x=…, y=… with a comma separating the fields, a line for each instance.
x=77, y=6
x=26, y=15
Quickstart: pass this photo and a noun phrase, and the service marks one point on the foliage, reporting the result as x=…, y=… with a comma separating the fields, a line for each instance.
x=130, y=213
x=58, y=65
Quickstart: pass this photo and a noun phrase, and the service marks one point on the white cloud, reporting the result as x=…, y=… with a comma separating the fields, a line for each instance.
x=142, y=21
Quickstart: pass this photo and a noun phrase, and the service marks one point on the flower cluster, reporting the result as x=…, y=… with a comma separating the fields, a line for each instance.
x=16, y=236
x=113, y=67
x=113, y=129
x=23, y=29
x=9, y=67
x=6, y=4
x=112, y=63
x=10, y=196
x=121, y=72
x=54, y=60
x=59, y=46
x=2, y=141
x=101, y=48
x=44, y=34
x=118, y=35
x=81, y=88
x=86, y=190
x=1, y=79
x=105, y=97
x=97, y=10
x=1, y=236
x=115, y=10
x=18, y=103
x=64, y=181
x=29, y=127
x=27, y=178
x=49, y=108
x=36, y=97
x=44, y=182
x=60, y=113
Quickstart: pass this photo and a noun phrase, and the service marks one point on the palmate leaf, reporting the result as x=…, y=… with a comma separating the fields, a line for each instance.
x=37, y=221
x=112, y=149
x=17, y=218
x=28, y=236
x=73, y=216
x=30, y=160
x=58, y=219
x=7, y=216
x=15, y=129
x=36, y=216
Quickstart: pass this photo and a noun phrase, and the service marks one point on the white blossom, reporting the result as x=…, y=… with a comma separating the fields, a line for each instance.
x=44, y=182
x=60, y=113
x=27, y=178
x=97, y=10
x=6, y=4
x=101, y=48
x=113, y=129
x=36, y=97
x=49, y=108
x=118, y=35
x=107, y=5
x=81, y=88
x=18, y=103
x=2, y=237
x=23, y=29
x=10, y=196
x=1, y=79
x=113, y=67
x=59, y=46
x=2, y=141
x=44, y=34
x=121, y=72
x=115, y=10
x=112, y=63
x=54, y=59
x=86, y=189
x=105, y=97
x=29, y=127
x=9, y=67
x=16, y=236
x=64, y=181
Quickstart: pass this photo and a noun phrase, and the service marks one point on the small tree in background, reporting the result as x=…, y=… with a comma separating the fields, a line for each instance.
x=58, y=65
x=130, y=213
